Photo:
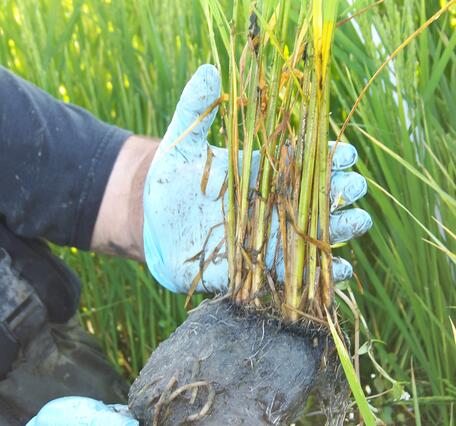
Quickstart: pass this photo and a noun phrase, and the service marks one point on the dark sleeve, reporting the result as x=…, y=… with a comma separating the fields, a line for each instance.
x=55, y=161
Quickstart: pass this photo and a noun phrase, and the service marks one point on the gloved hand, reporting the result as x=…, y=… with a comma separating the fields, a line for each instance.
x=81, y=411
x=179, y=220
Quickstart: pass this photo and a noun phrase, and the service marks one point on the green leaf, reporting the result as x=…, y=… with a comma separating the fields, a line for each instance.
x=397, y=391
x=350, y=374
x=365, y=348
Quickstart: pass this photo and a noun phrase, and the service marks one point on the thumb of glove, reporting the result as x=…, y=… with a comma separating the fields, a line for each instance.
x=199, y=94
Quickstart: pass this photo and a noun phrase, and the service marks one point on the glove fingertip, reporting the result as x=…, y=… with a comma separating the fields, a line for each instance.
x=347, y=224
x=346, y=188
x=342, y=270
x=202, y=90
x=200, y=93
x=345, y=155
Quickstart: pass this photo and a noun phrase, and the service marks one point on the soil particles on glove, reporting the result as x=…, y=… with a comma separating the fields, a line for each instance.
x=228, y=366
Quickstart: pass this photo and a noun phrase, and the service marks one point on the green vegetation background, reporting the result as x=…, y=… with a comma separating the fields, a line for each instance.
x=127, y=63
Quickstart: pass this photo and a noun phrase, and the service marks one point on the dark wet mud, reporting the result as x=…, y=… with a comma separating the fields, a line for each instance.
x=227, y=366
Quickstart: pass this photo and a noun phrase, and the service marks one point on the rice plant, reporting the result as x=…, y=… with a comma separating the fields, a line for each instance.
x=278, y=104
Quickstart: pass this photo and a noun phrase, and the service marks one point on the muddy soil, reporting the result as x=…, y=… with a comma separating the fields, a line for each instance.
x=227, y=366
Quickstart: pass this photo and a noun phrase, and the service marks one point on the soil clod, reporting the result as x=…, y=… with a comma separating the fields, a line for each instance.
x=229, y=366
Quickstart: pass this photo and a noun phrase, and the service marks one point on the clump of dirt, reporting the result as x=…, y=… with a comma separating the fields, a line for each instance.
x=226, y=365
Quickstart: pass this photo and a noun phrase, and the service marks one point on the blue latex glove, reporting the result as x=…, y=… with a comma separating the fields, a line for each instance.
x=178, y=217
x=81, y=411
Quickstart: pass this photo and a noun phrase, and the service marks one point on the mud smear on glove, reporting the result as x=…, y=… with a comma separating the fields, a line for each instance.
x=228, y=366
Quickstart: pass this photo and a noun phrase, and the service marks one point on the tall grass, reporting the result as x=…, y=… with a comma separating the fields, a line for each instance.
x=405, y=133
x=127, y=63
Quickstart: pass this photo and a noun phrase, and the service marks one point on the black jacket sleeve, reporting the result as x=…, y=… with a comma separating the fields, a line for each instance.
x=55, y=161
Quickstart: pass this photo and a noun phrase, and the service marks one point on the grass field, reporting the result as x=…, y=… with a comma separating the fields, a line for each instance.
x=127, y=62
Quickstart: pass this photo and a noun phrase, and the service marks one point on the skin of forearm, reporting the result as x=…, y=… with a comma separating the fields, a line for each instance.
x=119, y=225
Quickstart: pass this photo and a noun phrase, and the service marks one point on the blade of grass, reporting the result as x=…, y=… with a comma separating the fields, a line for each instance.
x=350, y=374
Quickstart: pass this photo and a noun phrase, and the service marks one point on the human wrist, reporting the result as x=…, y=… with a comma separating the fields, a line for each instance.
x=119, y=225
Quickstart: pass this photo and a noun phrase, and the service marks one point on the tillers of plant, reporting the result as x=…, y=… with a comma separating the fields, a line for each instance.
x=278, y=104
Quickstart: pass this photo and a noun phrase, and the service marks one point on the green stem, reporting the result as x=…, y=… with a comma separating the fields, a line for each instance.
x=293, y=290
x=262, y=229
x=326, y=259
x=232, y=161
x=248, y=145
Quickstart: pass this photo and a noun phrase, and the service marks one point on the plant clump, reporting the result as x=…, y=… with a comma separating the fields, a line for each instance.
x=277, y=214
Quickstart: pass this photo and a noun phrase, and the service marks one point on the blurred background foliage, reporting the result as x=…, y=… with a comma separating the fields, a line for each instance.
x=127, y=63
